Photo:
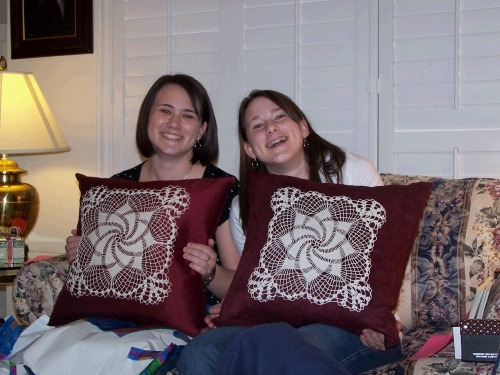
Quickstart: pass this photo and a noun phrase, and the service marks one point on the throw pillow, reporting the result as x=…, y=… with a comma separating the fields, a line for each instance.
x=324, y=253
x=129, y=264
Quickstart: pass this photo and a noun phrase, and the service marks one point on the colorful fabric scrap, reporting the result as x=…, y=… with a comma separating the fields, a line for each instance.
x=9, y=333
x=171, y=351
x=137, y=354
x=105, y=324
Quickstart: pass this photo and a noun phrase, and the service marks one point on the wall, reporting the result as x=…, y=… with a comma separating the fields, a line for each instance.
x=69, y=84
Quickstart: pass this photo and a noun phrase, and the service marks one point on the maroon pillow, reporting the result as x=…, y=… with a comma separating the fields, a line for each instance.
x=129, y=264
x=324, y=253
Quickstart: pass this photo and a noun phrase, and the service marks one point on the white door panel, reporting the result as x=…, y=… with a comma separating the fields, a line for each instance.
x=439, y=101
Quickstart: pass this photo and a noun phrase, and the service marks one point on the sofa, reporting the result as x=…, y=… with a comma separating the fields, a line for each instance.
x=457, y=247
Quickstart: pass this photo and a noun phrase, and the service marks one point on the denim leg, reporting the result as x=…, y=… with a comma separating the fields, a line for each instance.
x=276, y=348
x=347, y=348
x=202, y=354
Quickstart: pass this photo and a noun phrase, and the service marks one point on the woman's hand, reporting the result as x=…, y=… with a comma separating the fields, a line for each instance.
x=372, y=339
x=202, y=258
x=375, y=340
x=213, y=312
x=72, y=243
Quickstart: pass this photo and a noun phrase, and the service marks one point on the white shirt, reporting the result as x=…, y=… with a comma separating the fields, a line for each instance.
x=357, y=171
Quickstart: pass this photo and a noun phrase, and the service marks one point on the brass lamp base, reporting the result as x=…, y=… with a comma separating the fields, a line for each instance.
x=19, y=202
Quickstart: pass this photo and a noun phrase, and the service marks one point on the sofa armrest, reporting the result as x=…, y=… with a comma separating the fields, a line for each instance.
x=37, y=285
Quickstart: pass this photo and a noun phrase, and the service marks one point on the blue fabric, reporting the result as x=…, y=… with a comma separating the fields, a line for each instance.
x=204, y=353
x=9, y=333
x=276, y=349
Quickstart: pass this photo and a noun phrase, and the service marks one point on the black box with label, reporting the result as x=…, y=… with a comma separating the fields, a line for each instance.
x=480, y=339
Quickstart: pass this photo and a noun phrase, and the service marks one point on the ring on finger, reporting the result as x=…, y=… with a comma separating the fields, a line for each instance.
x=208, y=259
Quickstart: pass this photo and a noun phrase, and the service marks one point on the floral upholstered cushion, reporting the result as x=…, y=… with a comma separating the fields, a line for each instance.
x=459, y=246
x=37, y=285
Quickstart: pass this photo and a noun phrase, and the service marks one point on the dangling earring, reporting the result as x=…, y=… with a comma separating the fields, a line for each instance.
x=255, y=163
x=306, y=144
x=197, y=145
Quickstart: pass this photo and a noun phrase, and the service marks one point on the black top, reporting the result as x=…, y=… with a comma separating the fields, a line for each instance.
x=211, y=171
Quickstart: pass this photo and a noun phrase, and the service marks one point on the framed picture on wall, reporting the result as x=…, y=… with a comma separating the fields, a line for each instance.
x=50, y=28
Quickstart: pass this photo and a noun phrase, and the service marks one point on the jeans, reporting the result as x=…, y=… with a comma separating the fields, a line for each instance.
x=202, y=355
x=348, y=349
x=276, y=348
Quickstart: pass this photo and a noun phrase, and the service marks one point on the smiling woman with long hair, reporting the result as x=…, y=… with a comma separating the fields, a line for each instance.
x=276, y=137
x=177, y=134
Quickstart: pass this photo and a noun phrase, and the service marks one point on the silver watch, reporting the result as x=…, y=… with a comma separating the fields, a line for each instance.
x=210, y=277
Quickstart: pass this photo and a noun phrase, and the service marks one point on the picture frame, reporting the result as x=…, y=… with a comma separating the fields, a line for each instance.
x=51, y=28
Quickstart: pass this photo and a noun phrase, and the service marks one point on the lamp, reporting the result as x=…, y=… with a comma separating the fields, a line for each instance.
x=27, y=126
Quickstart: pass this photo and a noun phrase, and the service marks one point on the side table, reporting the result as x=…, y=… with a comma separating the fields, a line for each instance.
x=7, y=276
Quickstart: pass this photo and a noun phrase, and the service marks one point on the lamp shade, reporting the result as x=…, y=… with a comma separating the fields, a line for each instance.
x=27, y=125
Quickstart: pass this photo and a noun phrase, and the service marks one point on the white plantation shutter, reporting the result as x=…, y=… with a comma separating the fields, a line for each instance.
x=438, y=110
x=312, y=51
x=204, y=40
x=140, y=46
x=317, y=52
x=440, y=79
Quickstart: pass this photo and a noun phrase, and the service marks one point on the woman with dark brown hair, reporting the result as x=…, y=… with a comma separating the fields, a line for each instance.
x=321, y=160
x=177, y=133
x=277, y=138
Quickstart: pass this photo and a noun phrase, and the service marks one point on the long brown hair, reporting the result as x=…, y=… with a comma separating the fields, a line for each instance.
x=321, y=155
x=209, y=151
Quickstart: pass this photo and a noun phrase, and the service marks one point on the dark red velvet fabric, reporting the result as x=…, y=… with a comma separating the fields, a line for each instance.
x=126, y=267
x=265, y=256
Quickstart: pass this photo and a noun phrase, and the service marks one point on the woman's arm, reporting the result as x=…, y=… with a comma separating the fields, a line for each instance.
x=229, y=258
x=360, y=171
x=237, y=233
x=203, y=260
x=228, y=254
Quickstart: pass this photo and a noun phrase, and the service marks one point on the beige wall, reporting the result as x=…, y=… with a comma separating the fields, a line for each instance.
x=69, y=85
